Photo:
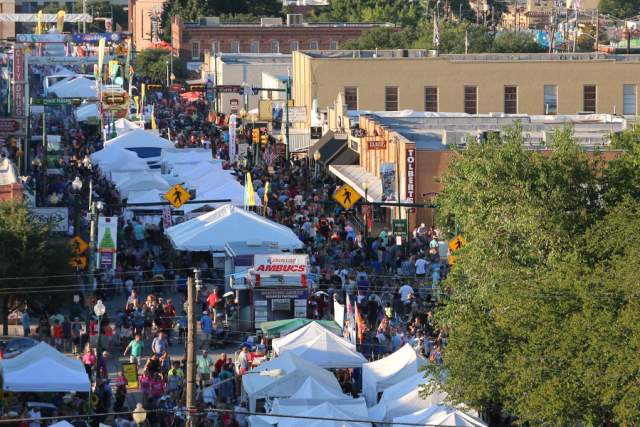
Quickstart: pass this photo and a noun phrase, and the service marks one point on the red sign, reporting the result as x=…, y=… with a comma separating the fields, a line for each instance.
x=18, y=85
x=377, y=144
x=411, y=175
x=281, y=264
x=9, y=125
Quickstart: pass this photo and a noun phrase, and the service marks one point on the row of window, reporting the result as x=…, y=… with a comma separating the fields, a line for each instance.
x=510, y=98
x=254, y=46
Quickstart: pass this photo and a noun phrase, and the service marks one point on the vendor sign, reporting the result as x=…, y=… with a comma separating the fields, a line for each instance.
x=281, y=264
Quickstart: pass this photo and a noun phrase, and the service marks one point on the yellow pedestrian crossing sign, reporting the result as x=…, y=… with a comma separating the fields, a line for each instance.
x=177, y=196
x=456, y=243
x=346, y=196
x=78, y=245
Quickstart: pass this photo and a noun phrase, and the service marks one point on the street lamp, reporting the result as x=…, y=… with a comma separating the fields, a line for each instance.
x=99, y=309
x=76, y=185
x=139, y=414
x=96, y=208
x=316, y=157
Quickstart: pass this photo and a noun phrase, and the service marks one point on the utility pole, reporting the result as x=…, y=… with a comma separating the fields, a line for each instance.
x=597, y=32
x=84, y=11
x=191, y=344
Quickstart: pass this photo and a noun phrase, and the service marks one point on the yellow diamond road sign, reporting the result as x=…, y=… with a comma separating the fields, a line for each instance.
x=78, y=245
x=346, y=196
x=456, y=243
x=177, y=196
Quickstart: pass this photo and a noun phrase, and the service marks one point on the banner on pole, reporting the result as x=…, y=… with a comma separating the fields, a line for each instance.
x=233, y=122
x=107, y=242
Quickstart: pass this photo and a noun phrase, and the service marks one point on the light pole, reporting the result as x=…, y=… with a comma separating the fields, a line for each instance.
x=316, y=158
x=365, y=186
x=96, y=208
x=99, y=309
x=76, y=185
x=167, y=64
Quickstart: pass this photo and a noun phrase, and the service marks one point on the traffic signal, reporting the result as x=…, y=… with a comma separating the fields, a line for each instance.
x=255, y=135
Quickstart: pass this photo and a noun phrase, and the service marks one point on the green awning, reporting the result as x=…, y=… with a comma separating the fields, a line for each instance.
x=283, y=327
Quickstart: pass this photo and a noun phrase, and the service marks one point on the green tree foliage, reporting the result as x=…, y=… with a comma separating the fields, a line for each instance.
x=399, y=12
x=620, y=8
x=543, y=316
x=152, y=63
x=383, y=38
x=515, y=42
x=29, y=250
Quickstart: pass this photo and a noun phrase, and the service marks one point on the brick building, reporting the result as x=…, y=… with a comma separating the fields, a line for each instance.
x=271, y=35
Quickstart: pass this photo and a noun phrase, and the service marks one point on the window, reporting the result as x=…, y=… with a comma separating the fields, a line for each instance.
x=589, y=98
x=351, y=97
x=313, y=45
x=551, y=99
x=235, y=46
x=275, y=46
x=431, y=99
x=195, y=50
x=391, y=98
x=294, y=45
x=333, y=45
x=511, y=100
x=471, y=99
x=255, y=47
x=629, y=99
x=215, y=47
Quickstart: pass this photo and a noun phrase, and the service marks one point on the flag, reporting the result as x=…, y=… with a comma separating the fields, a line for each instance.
x=114, y=66
x=249, y=195
x=39, y=23
x=267, y=189
x=436, y=34
x=136, y=100
x=101, y=47
x=153, y=118
x=143, y=89
x=127, y=63
x=350, y=321
x=61, y=14
x=360, y=325
x=466, y=41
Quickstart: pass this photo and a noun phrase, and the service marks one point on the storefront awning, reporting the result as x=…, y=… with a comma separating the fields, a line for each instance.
x=356, y=176
x=333, y=150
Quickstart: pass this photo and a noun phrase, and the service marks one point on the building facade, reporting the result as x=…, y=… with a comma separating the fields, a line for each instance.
x=144, y=21
x=476, y=84
x=271, y=35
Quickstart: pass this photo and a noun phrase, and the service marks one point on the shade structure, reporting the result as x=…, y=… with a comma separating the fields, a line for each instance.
x=75, y=87
x=381, y=374
x=230, y=191
x=213, y=230
x=145, y=197
x=112, y=160
x=123, y=126
x=144, y=144
x=404, y=398
x=87, y=111
x=281, y=377
x=286, y=326
x=325, y=410
x=187, y=155
x=141, y=181
x=317, y=345
x=44, y=369
x=441, y=415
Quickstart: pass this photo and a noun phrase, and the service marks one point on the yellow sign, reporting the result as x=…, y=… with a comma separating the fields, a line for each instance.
x=130, y=372
x=456, y=243
x=346, y=196
x=177, y=196
x=78, y=262
x=78, y=245
x=451, y=260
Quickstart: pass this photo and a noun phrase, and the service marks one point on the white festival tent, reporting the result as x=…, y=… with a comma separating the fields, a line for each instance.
x=213, y=230
x=381, y=374
x=115, y=159
x=43, y=369
x=281, y=377
x=140, y=181
x=123, y=126
x=441, y=415
x=228, y=190
x=75, y=87
x=62, y=423
x=317, y=345
x=146, y=196
x=323, y=410
x=305, y=333
x=186, y=155
x=87, y=111
x=404, y=398
x=138, y=138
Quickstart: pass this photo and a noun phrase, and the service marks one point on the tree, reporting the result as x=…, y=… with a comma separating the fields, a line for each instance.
x=378, y=38
x=29, y=253
x=620, y=8
x=152, y=64
x=508, y=42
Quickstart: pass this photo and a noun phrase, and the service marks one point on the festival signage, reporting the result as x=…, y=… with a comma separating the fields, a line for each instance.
x=376, y=144
x=95, y=37
x=297, y=114
x=19, y=82
x=233, y=122
x=41, y=38
x=279, y=303
x=57, y=217
x=9, y=126
x=280, y=264
x=107, y=242
x=388, y=178
x=411, y=175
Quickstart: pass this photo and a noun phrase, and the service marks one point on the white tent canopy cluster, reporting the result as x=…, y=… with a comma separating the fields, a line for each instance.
x=295, y=384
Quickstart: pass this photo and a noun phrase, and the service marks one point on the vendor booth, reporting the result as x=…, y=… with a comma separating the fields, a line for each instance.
x=441, y=415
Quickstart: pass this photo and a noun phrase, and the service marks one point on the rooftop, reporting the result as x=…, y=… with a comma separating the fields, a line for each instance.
x=483, y=57
x=268, y=23
x=255, y=58
x=437, y=131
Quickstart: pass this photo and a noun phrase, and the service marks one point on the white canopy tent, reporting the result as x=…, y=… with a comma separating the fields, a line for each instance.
x=213, y=230
x=317, y=345
x=441, y=415
x=138, y=138
x=383, y=373
x=404, y=398
x=75, y=87
x=280, y=377
x=116, y=159
x=228, y=190
x=123, y=126
x=141, y=182
x=44, y=369
x=145, y=196
x=325, y=410
x=186, y=155
x=87, y=111
x=307, y=332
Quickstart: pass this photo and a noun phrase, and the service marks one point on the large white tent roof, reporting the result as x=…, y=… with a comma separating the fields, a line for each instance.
x=404, y=398
x=145, y=196
x=44, y=369
x=441, y=415
x=213, y=230
x=321, y=347
x=75, y=87
x=187, y=155
x=383, y=373
x=123, y=126
x=230, y=190
x=138, y=138
x=141, y=182
x=324, y=410
x=87, y=111
x=280, y=377
x=112, y=160
x=305, y=333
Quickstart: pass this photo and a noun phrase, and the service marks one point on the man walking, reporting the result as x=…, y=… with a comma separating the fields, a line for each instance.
x=136, y=346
